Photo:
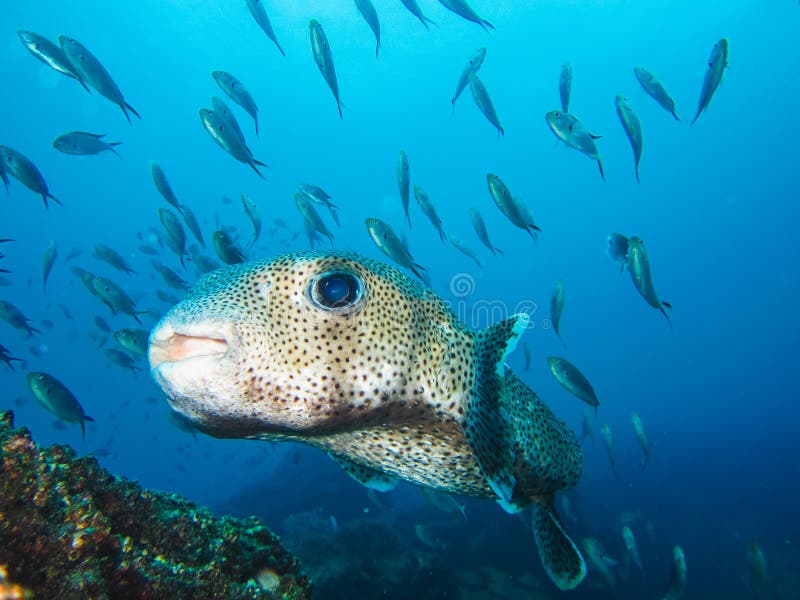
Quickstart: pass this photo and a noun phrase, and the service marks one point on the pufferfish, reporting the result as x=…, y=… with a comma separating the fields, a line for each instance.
x=352, y=356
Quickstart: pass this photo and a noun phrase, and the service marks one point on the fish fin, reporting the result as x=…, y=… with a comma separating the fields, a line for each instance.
x=602, y=172
x=665, y=313
x=87, y=418
x=637, y=175
x=253, y=166
x=676, y=115
x=425, y=20
x=112, y=149
x=595, y=137
x=560, y=556
x=83, y=83
x=260, y=164
x=53, y=198
x=496, y=250
x=339, y=108
x=366, y=476
x=488, y=428
x=280, y=49
x=133, y=110
x=255, y=119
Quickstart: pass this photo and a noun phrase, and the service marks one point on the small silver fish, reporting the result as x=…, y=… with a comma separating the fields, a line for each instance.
x=367, y=10
x=48, y=261
x=572, y=380
x=639, y=265
x=321, y=50
x=252, y=214
x=163, y=186
x=426, y=206
x=633, y=129
x=81, y=143
x=474, y=64
x=641, y=437
x=479, y=226
x=22, y=168
x=415, y=10
x=716, y=66
x=56, y=398
x=655, y=89
x=176, y=235
x=237, y=92
x=15, y=317
x=574, y=134
x=514, y=210
x=94, y=73
x=260, y=16
x=311, y=216
x=464, y=249
x=484, y=102
x=608, y=442
x=387, y=242
x=191, y=223
x=464, y=10
x=632, y=547
x=557, y=306
x=225, y=249
x=132, y=340
x=404, y=182
x=224, y=112
x=677, y=580
x=111, y=257
x=227, y=139
x=565, y=86
x=50, y=54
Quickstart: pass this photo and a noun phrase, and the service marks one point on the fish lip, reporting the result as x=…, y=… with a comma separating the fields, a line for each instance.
x=170, y=345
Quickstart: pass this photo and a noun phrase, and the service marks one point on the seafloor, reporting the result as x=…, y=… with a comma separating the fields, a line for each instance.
x=69, y=529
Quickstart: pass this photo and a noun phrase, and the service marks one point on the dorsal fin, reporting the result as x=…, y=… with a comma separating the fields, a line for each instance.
x=371, y=478
x=487, y=424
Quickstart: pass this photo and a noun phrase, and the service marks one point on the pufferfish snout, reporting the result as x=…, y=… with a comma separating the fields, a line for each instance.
x=281, y=346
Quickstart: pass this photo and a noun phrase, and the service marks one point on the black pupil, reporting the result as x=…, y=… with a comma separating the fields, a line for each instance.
x=337, y=290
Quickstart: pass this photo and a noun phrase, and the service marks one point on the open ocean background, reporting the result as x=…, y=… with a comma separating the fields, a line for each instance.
x=717, y=207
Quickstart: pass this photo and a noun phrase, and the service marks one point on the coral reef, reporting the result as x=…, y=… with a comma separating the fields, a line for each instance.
x=69, y=529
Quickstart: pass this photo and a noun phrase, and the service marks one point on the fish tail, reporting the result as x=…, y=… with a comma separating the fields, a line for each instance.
x=664, y=312
x=676, y=115
x=252, y=164
x=133, y=110
x=500, y=131
x=53, y=198
x=255, y=119
x=484, y=23
x=496, y=250
x=339, y=107
x=112, y=149
x=425, y=20
x=377, y=47
x=125, y=112
x=560, y=556
x=637, y=175
x=280, y=49
x=602, y=172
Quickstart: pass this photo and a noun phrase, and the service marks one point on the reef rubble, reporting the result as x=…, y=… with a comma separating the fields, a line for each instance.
x=69, y=529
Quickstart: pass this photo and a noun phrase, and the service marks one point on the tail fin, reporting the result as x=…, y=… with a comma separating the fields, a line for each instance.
x=133, y=110
x=559, y=555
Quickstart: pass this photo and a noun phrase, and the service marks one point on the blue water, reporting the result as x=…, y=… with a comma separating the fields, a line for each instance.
x=716, y=206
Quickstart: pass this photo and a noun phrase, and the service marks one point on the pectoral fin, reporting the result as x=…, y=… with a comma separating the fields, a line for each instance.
x=487, y=424
x=371, y=478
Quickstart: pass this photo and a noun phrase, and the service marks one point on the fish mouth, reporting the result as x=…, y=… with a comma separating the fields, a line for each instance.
x=198, y=341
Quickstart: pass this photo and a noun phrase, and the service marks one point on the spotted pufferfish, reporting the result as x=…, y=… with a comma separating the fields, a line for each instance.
x=352, y=356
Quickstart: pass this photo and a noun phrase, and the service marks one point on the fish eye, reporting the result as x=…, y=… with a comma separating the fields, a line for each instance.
x=336, y=290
